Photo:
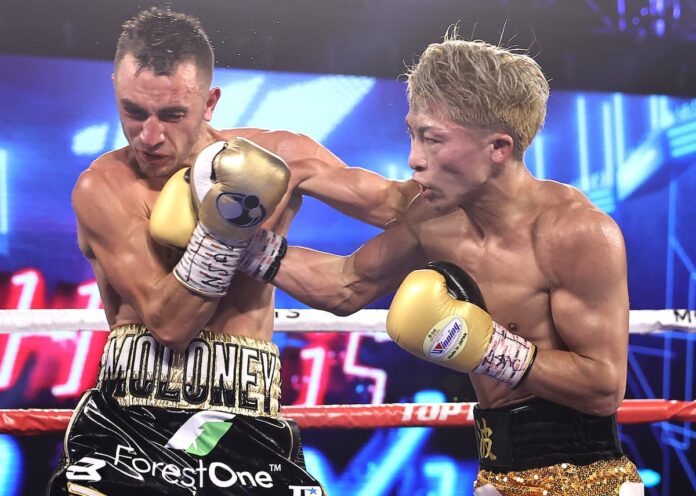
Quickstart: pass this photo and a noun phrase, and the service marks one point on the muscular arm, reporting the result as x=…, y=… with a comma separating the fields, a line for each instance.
x=343, y=285
x=117, y=233
x=317, y=172
x=589, y=307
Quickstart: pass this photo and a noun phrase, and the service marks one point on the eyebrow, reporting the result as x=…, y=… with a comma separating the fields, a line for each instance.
x=127, y=103
x=424, y=129
x=166, y=110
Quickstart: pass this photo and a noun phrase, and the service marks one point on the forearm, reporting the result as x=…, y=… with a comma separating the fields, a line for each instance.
x=319, y=280
x=591, y=386
x=343, y=285
x=173, y=313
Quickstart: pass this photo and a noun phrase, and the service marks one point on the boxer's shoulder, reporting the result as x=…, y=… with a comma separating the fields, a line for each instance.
x=239, y=132
x=562, y=210
x=567, y=223
x=114, y=166
x=573, y=236
x=270, y=140
x=108, y=179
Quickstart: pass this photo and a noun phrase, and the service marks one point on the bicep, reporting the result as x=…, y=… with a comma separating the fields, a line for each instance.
x=118, y=238
x=355, y=191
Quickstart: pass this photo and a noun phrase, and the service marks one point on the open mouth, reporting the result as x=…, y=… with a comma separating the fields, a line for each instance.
x=425, y=191
x=152, y=157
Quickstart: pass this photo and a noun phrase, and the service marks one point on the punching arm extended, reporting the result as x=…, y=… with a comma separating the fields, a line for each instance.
x=345, y=284
x=355, y=191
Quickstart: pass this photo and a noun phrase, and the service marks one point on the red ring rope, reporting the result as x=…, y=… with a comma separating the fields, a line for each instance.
x=37, y=421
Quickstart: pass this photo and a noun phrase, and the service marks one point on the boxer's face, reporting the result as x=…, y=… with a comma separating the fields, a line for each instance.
x=162, y=116
x=449, y=161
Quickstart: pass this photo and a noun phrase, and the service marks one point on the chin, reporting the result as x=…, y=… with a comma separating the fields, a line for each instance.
x=445, y=208
x=166, y=173
x=154, y=172
x=442, y=205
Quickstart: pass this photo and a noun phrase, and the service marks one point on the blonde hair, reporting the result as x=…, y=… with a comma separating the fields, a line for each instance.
x=481, y=85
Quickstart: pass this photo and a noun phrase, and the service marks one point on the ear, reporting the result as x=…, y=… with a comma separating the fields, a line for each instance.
x=502, y=147
x=211, y=102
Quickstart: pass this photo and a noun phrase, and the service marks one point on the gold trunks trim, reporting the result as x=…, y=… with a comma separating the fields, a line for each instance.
x=80, y=490
x=601, y=478
x=218, y=371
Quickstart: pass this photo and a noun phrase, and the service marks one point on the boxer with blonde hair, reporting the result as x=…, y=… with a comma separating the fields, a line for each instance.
x=527, y=292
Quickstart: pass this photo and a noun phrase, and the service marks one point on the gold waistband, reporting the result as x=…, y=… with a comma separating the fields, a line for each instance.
x=217, y=371
x=601, y=478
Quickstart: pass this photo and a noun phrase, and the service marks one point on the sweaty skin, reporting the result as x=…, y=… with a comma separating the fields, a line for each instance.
x=550, y=265
x=165, y=119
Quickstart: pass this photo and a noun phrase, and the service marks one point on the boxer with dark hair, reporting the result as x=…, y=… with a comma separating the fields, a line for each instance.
x=182, y=228
x=532, y=301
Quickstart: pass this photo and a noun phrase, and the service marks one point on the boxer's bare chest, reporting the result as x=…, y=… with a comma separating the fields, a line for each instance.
x=506, y=267
x=509, y=269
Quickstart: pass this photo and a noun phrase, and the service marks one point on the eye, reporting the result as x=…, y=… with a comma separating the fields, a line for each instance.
x=175, y=117
x=137, y=115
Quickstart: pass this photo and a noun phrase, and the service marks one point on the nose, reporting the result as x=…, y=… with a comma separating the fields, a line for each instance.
x=152, y=133
x=416, y=158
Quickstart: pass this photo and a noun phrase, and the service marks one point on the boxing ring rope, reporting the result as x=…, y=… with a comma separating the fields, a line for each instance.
x=36, y=421
x=303, y=320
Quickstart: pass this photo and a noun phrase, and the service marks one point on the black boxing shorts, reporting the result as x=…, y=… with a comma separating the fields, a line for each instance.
x=205, y=422
x=541, y=447
x=541, y=433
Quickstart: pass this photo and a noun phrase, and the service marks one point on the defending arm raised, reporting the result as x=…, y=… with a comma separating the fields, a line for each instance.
x=114, y=234
x=235, y=186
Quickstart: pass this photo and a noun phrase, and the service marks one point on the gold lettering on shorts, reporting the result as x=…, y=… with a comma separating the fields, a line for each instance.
x=485, y=441
x=229, y=373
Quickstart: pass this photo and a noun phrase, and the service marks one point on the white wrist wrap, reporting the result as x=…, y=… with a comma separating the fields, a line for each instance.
x=261, y=259
x=208, y=265
x=507, y=358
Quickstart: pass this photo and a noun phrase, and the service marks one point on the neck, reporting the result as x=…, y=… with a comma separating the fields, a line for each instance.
x=206, y=136
x=502, y=201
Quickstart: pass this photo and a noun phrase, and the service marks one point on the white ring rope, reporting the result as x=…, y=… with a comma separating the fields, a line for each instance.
x=302, y=320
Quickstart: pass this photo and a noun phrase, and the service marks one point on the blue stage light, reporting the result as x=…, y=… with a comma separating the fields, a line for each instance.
x=11, y=466
x=650, y=477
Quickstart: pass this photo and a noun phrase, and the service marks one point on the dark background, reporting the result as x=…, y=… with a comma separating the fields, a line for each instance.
x=621, y=45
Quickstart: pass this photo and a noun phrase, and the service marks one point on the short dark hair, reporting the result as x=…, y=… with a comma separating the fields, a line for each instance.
x=160, y=39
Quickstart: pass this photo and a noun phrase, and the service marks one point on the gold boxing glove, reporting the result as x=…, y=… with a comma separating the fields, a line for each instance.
x=173, y=217
x=438, y=314
x=235, y=186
